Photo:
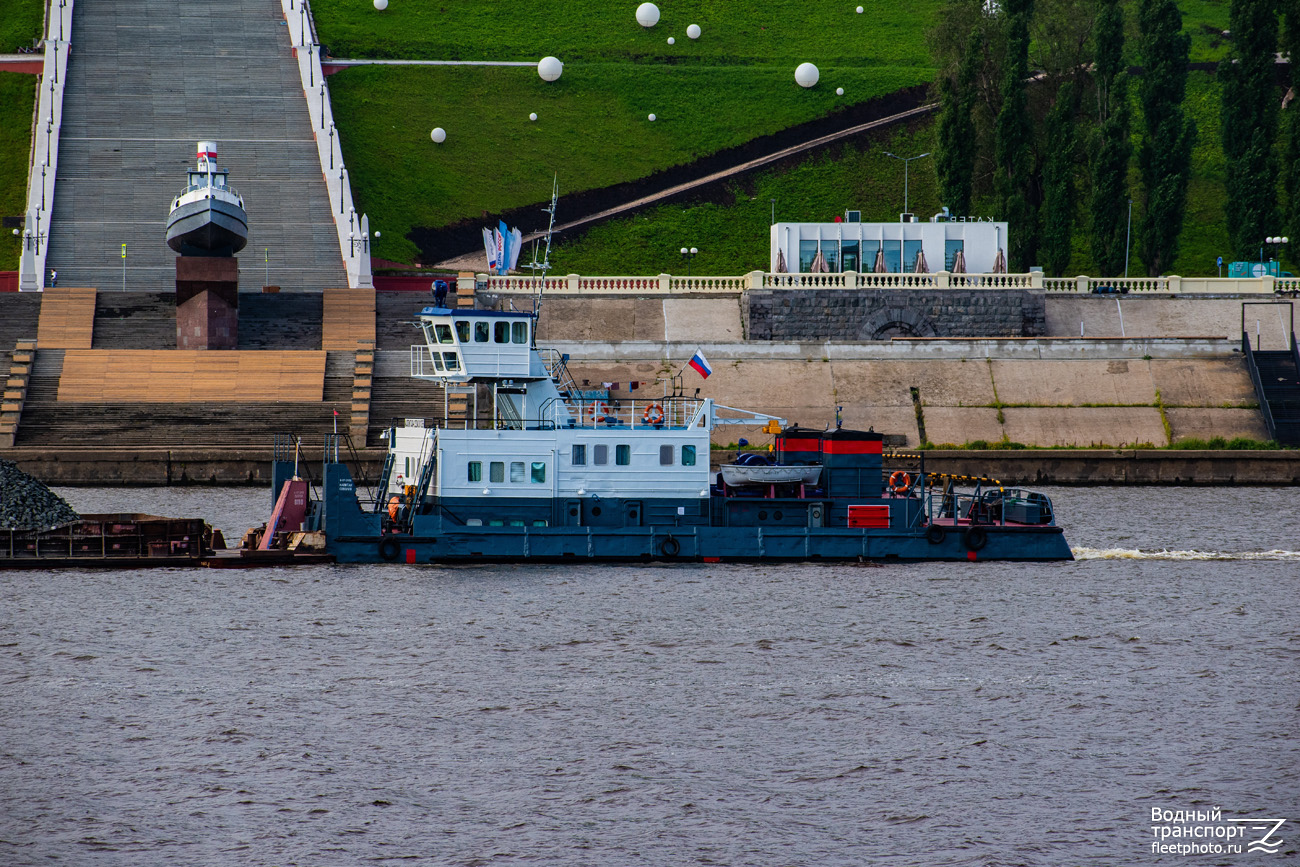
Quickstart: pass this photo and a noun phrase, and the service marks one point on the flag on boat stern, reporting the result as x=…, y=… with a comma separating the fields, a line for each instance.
x=700, y=364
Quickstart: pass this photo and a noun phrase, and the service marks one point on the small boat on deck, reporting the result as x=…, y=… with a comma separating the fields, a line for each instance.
x=756, y=470
x=207, y=218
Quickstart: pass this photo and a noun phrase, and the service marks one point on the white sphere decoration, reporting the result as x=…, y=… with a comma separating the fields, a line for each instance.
x=652, y=118
x=859, y=10
x=439, y=135
x=647, y=15
x=806, y=75
x=381, y=5
x=550, y=68
x=693, y=31
x=839, y=91
x=672, y=41
x=532, y=115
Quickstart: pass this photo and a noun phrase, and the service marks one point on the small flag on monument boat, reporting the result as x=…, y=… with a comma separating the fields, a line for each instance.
x=701, y=365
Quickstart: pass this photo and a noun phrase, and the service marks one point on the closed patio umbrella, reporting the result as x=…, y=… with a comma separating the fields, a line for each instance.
x=922, y=267
x=879, y=267
x=780, y=262
x=959, y=262
x=819, y=265
x=1000, y=262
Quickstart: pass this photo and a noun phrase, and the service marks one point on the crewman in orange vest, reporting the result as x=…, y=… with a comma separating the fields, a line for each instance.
x=393, y=505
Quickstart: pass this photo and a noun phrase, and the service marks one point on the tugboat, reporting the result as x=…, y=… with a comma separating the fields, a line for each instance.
x=553, y=473
x=207, y=218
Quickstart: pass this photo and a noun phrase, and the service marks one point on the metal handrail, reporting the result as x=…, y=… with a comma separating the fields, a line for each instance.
x=1258, y=382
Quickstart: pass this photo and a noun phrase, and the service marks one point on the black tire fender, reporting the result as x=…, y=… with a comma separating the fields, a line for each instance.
x=670, y=547
x=976, y=538
x=935, y=534
x=389, y=549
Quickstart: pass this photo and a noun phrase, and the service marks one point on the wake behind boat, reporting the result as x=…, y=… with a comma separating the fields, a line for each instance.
x=207, y=218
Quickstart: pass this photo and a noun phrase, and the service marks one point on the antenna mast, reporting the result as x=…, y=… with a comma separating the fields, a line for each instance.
x=545, y=264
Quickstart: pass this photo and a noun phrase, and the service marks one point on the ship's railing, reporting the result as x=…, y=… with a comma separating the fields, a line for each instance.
x=991, y=506
x=648, y=414
x=426, y=362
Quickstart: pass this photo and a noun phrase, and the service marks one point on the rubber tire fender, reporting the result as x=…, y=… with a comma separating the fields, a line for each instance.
x=976, y=538
x=670, y=547
x=935, y=534
x=389, y=549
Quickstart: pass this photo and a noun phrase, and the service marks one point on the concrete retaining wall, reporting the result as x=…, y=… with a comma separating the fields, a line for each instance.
x=865, y=314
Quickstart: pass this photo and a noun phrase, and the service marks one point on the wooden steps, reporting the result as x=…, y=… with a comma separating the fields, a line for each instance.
x=191, y=376
x=15, y=391
x=348, y=318
x=363, y=374
x=67, y=319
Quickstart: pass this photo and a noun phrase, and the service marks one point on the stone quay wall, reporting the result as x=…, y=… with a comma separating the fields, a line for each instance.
x=879, y=314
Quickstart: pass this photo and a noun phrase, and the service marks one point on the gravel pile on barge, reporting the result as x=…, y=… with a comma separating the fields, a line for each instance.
x=27, y=504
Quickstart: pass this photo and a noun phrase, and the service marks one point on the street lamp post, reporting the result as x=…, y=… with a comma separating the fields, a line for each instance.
x=905, y=161
x=1128, y=235
x=773, y=212
x=42, y=186
x=322, y=105
x=342, y=188
x=331, y=145
x=49, y=131
x=311, y=70
x=1276, y=242
x=688, y=255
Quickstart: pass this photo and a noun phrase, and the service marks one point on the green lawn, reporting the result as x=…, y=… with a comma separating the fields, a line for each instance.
x=20, y=23
x=592, y=130
x=17, y=96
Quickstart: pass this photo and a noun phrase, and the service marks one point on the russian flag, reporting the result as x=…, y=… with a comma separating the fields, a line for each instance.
x=701, y=365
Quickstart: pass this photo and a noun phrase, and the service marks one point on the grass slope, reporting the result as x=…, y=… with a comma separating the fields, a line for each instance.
x=17, y=95
x=20, y=24
x=592, y=130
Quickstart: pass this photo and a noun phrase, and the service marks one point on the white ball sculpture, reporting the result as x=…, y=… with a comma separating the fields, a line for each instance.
x=439, y=135
x=806, y=75
x=532, y=115
x=550, y=68
x=381, y=5
x=859, y=10
x=693, y=31
x=652, y=118
x=839, y=91
x=672, y=41
x=647, y=15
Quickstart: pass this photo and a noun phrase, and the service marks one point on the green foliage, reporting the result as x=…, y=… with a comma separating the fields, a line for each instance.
x=17, y=94
x=1111, y=149
x=1012, y=137
x=958, y=139
x=1165, y=152
x=20, y=24
x=1250, y=99
x=1291, y=122
x=592, y=130
x=1216, y=443
x=1060, y=200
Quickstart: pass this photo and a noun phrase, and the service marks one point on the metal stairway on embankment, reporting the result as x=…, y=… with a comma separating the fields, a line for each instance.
x=147, y=80
x=1276, y=376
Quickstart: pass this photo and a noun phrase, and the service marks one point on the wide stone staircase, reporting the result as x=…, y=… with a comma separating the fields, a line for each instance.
x=147, y=79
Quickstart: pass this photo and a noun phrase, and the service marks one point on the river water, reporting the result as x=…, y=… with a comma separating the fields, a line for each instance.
x=933, y=714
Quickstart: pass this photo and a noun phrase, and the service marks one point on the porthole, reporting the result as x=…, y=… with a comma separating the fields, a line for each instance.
x=762, y=515
x=595, y=511
x=778, y=515
x=573, y=513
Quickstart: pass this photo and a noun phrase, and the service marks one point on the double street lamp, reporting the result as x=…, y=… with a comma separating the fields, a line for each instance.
x=689, y=254
x=905, y=161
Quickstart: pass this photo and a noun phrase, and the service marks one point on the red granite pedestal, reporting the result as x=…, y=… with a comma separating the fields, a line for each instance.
x=207, y=302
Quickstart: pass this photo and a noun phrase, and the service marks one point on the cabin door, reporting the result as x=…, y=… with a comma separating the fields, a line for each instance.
x=572, y=516
x=632, y=513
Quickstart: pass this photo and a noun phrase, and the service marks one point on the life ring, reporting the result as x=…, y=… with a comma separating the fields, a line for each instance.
x=976, y=538
x=389, y=549
x=935, y=534
x=899, y=482
x=670, y=547
x=654, y=415
x=598, y=412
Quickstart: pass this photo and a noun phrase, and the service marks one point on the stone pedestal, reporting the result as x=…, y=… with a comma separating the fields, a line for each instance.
x=207, y=302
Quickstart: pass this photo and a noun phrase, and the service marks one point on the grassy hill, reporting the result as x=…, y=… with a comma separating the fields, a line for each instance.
x=17, y=93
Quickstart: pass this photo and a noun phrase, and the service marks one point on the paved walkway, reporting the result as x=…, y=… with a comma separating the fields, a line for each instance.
x=147, y=79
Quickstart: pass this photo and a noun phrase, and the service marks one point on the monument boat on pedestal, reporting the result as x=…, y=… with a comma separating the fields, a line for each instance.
x=551, y=473
x=207, y=218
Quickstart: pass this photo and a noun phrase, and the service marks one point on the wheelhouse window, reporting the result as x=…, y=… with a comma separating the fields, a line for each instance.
x=481, y=332
x=444, y=332
x=475, y=471
x=622, y=455
x=462, y=330
x=688, y=456
x=497, y=471
x=451, y=360
x=579, y=456
x=599, y=455
x=502, y=332
x=519, y=332
x=538, y=474
x=516, y=472
x=665, y=456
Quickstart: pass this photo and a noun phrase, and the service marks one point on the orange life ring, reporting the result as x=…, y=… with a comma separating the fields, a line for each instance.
x=598, y=412
x=654, y=414
x=899, y=482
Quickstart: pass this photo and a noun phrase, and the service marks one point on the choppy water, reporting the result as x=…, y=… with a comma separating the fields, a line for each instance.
x=977, y=714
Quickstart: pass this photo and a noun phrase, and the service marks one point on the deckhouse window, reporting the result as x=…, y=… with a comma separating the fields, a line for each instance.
x=480, y=332
x=622, y=455
x=665, y=456
x=516, y=472
x=476, y=471
x=496, y=472
x=462, y=331
x=444, y=332
x=502, y=332
x=539, y=472
x=688, y=456
x=599, y=455
x=452, y=360
x=519, y=332
x=579, y=456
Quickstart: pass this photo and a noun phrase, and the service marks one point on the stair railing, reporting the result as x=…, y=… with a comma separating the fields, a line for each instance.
x=1255, y=379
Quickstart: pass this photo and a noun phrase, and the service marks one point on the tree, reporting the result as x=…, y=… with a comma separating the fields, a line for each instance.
x=1111, y=149
x=1291, y=123
x=1059, y=194
x=958, y=141
x=1250, y=125
x=1165, y=152
x=1013, y=181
